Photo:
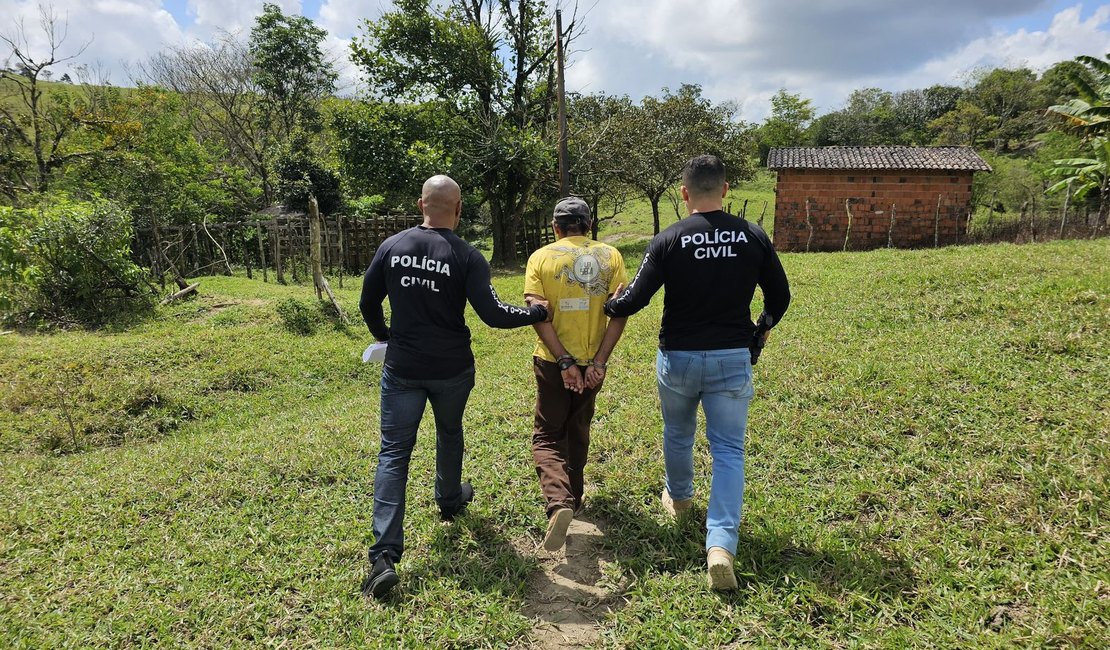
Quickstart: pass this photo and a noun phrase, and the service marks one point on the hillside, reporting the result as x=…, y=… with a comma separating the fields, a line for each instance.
x=928, y=464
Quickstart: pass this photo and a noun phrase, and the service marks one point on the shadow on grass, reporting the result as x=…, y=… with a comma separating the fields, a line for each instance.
x=643, y=545
x=473, y=552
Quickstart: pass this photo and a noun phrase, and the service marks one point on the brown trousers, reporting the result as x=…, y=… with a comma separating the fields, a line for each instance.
x=561, y=437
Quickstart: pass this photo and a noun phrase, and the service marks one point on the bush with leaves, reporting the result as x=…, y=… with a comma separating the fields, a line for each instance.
x=301, y=173
x=69, y=262
x=299, y=317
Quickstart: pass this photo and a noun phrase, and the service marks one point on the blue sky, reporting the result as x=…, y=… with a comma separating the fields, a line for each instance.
x=740, y=50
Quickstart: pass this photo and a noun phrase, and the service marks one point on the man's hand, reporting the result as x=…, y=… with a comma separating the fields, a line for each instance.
x=594, y=376
x=617, y=291
x=572, y=379
x=532, y=300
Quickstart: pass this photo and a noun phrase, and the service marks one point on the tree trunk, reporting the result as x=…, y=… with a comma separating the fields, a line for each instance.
x=655, y=213
x=505, y=229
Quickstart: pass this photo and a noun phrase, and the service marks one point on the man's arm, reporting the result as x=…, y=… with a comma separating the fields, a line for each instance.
x=373, y=293
x=595, y=374
x=483, y=298
x=572, y=376
x=776, y=288
x=644, y=284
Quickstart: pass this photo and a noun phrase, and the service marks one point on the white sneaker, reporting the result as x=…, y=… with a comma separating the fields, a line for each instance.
x=721, y=574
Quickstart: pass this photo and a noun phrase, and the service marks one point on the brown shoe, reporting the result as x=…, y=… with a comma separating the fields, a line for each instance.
x=557, y=529
x=721, y=574
x=675, y=508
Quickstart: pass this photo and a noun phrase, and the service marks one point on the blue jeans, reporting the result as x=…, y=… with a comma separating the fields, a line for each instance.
x=403, y=403
x=722, y=381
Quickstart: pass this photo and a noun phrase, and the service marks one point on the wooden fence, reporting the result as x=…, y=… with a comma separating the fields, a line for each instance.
x=279, y=244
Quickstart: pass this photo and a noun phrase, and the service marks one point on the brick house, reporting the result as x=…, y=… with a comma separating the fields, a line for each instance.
x=871, y=197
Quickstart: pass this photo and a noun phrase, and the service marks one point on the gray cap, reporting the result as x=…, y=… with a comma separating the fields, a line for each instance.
x=572, y=208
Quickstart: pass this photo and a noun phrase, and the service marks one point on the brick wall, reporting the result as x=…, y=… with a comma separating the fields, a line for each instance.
x=914, y=195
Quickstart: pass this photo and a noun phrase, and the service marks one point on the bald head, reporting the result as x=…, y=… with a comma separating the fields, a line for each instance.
x=440, y=202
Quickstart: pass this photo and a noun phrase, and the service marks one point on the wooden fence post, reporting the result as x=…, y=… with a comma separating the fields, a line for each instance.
x=339, y=245
x=277, y=251
x=261, y=251
x=848, y=230
x=196, y=251
x=890, y=230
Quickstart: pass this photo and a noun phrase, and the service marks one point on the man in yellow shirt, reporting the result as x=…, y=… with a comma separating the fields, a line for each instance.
x=575, y=275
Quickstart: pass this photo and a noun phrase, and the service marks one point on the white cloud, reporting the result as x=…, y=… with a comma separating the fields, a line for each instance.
x=1067, y=37
x=121, y=31
x=344, y=18
x=737, y=50
x=232, y=16
x=747, y=50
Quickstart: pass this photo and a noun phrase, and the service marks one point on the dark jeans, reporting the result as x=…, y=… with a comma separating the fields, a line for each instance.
x=561, y=437
x=403, y=403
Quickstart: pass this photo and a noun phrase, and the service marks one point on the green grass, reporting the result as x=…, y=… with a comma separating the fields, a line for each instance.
x=927, y=466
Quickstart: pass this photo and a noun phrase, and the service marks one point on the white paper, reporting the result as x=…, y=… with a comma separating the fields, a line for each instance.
x=374, y=353
x=574, y=304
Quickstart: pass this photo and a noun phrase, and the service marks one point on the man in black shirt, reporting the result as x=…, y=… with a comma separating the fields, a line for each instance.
x=429, y=274
x=710, y=264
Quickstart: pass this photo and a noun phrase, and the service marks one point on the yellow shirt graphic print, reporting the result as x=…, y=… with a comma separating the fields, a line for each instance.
x=575, y=275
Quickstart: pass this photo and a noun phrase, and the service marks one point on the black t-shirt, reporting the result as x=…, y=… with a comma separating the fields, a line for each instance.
x=429, y=274
x=710, y=264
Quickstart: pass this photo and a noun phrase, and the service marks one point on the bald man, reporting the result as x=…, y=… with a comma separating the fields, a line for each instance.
x=429, y=274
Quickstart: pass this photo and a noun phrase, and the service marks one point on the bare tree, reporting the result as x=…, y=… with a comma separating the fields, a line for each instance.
x=31, y=123
x=218, y=86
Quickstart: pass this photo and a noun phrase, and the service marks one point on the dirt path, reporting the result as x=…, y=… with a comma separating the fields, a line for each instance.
x=572, y=594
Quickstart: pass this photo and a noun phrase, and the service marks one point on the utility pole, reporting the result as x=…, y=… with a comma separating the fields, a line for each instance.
x=564, y=159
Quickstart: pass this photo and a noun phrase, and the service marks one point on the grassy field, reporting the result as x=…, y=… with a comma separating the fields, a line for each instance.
x=928, y=464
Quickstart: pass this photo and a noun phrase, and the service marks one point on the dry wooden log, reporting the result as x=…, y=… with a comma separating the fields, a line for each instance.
x=173, y=297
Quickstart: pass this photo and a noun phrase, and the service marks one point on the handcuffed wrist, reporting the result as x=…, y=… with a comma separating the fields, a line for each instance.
x=565, y=362
x=598, y=364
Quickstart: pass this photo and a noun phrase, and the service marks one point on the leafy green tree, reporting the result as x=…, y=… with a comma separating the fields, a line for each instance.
x=1055, y=85
x=787, y=125
x=661, y=134
x=1089, y=115
x=868, y=118
x=301, y=173
x=1009, y=99
x=596, y=158
x=915, y=109
x=491, y=64
x=964, y=125
x=290, y=68
x=389, y=149
x=163, y=173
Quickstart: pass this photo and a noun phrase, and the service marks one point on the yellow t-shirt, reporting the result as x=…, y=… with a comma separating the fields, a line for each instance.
x=575, y=275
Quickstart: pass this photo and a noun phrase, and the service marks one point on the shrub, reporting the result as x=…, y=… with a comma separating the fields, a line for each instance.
x=297, y=317
x=69, y=262
x=300, y=173
x=366, y=206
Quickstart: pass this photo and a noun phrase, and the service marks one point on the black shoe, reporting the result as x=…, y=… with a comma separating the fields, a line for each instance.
x=381, y=579
x=466, y=495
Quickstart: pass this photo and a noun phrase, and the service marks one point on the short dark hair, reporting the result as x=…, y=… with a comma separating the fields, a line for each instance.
x=704, y=175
